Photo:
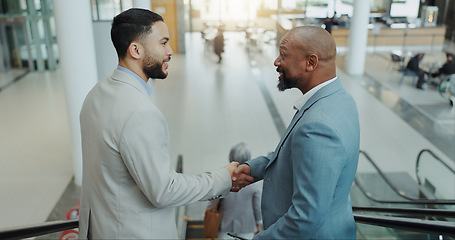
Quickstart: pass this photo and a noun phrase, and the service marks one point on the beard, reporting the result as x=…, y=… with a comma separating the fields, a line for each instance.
x=288, y=83
x=153, y=68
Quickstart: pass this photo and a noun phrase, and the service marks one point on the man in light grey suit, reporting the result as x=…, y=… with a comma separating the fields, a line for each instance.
x=129, y=189
x=308, y=177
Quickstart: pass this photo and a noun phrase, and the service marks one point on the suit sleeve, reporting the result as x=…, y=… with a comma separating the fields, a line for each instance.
x=258, y=166
x=318, y=158
x=144, y=146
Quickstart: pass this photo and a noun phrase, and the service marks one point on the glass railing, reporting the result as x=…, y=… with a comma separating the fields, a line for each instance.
x=397, y=194
x=399, y=187
x=434, y=175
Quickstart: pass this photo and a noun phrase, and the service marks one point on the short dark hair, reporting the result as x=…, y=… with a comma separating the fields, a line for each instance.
x=130, y=26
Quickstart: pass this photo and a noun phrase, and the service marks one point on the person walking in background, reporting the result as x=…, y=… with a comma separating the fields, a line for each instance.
x=129, y=189
x=308, y=177
x=328, y=22
x=241, y=210
x=219, y=44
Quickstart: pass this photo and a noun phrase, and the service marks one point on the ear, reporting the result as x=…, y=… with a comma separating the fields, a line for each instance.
x=312, y=62
x=135, y=50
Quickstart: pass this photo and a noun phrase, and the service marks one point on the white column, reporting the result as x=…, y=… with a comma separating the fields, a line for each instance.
x=181, y=25
x=78, y=63
x=358, y=36
x=146, y=4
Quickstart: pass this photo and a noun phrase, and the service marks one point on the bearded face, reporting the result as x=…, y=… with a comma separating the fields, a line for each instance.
x=287, y=82
x=157, y=51
x=154, y=68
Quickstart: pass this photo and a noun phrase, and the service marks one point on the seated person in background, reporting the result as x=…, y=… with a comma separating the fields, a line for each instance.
x=448, y=67
x=241, y=210
x=413, y=65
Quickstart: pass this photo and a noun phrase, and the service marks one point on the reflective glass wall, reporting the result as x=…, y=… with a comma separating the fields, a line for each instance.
x=27, y=35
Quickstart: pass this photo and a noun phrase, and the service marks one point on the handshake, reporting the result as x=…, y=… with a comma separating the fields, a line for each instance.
x=240, y=175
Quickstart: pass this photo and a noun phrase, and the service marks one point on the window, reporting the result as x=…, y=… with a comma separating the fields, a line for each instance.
x=108, y=9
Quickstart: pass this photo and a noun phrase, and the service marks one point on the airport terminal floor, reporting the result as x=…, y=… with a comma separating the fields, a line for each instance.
x=210, y=107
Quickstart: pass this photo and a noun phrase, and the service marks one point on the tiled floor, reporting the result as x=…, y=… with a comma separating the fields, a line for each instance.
x=35, y=162
x=209, y=108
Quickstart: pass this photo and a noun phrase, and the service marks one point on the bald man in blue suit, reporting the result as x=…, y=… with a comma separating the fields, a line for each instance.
x=308, y=177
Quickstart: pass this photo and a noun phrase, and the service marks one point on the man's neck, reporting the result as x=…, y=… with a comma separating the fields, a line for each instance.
x=134, y=68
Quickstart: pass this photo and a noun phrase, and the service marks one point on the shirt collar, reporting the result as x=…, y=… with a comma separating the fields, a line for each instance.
x=303, y=99
x=147, y=88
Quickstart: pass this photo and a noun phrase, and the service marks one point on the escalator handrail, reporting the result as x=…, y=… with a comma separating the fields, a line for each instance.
x=384, y=177
x=411, y=202
x=410, y=199
x=38, y=229
x=435, y=157
x=415, y=225
x=411, y=211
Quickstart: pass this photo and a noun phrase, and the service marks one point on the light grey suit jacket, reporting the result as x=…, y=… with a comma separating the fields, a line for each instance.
x=129, y=189
x=308, y=177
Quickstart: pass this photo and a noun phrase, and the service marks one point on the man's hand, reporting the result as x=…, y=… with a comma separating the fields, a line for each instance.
x=241, y=177
x=231, y=167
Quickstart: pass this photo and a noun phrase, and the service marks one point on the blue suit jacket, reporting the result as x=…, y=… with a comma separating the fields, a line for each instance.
x=308, y=177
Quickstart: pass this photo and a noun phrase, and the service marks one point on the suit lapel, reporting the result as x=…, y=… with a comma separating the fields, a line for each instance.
x=323, y=92
x=295, y=119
